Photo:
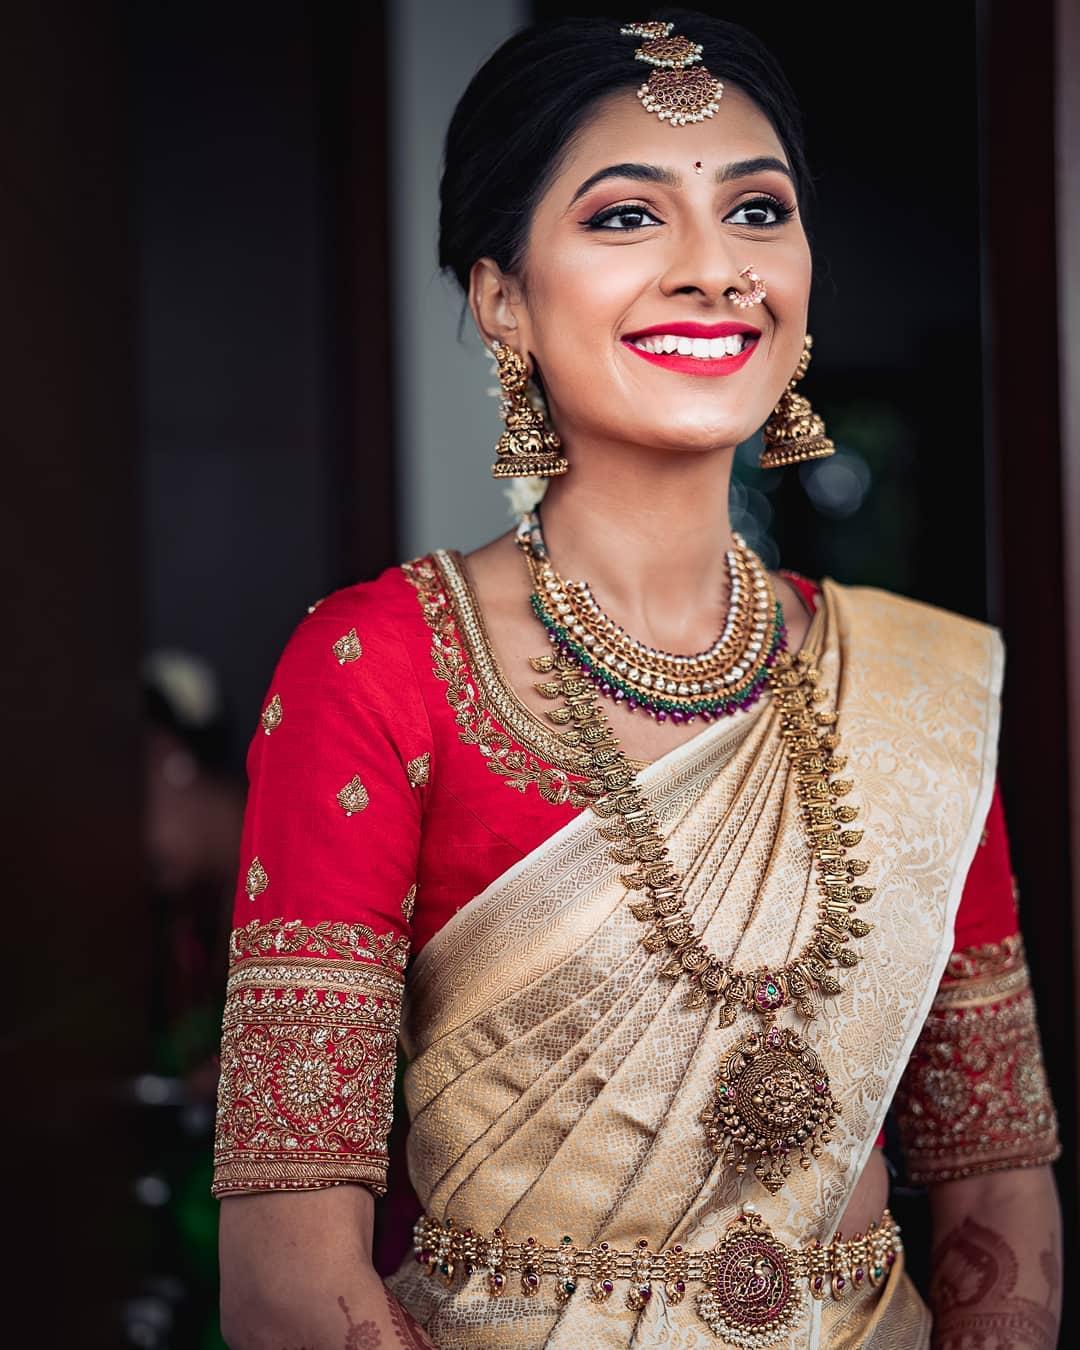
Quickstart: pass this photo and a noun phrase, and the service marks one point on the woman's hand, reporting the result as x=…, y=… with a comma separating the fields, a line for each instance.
x=996, y=1266
x=296, y=1274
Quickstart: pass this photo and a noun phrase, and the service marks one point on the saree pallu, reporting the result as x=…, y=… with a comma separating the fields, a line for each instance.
x=557, y=1079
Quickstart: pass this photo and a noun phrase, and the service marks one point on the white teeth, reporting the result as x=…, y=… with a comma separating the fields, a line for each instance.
x=702, y=349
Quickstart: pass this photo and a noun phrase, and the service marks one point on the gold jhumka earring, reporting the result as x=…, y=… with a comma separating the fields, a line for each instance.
x=794, y=432
x=527, y=448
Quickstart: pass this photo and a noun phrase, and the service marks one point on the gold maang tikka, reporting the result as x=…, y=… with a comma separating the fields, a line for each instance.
x=675, y=92
x=528, y=448
x=794, y=432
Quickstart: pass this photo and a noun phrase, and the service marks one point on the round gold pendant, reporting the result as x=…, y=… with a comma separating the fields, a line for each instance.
x=753, y=1296
x=772, y=1098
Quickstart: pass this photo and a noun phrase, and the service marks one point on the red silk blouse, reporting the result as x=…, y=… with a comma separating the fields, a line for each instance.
x=384, y=795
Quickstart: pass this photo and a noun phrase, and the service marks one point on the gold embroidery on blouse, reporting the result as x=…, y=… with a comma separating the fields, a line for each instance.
x=517, y=767
x=271, y=715
x=348, y=648
x=353, y=797
x=989, y=959
x=288, y=937
x=408, y=905
x=312, y=608
x=306, y=1092
x=974, y=1097
x=257, y=880
x=515, y=716
x=419, y=769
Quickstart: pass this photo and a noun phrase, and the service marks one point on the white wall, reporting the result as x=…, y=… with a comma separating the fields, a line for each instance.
x=447, y=424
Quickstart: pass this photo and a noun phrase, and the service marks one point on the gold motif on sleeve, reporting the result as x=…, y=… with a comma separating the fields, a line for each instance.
x=419, y=769
x=308, y=1055
x=516, y=766
x=408, y=905
x=257, y=880
x=347, y=648
x=286, y=937
x=353, y=797
x=974, y=1097
x=271, y=715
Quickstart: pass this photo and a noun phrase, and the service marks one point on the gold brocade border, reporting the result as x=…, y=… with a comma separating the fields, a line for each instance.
x=978, y=993
x=472, y=711
x=306, y=1093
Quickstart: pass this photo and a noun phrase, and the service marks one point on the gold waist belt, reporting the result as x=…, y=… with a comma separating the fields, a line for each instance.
x=754, y=1285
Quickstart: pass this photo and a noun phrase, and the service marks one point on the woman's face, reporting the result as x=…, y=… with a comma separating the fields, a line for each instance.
x=644, y=229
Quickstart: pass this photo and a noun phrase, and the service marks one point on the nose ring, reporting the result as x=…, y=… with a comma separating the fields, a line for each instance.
x=747, y=299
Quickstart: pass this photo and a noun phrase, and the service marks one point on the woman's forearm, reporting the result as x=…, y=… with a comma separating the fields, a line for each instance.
x=296, y=1274
x=996, y=1266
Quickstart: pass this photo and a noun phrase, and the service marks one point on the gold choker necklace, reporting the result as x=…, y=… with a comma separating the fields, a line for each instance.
x=725, y=679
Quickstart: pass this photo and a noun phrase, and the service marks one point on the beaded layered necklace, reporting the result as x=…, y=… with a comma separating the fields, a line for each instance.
x=771, y=1096
x=727, y=678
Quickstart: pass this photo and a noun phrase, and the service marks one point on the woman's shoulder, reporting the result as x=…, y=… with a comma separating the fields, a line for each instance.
x=378, y=620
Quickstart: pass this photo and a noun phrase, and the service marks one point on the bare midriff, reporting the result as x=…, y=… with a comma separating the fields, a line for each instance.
x=869, y=1198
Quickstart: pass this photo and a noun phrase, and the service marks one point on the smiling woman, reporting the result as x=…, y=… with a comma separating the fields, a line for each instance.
x=752, y=887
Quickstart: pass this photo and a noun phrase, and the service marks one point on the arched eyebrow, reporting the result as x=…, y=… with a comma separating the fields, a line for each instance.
x=655, y=173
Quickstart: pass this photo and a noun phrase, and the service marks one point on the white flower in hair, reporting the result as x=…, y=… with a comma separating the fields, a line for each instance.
x=524, y=494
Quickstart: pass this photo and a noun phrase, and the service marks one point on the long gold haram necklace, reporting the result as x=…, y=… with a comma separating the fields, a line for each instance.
x=771, y=1095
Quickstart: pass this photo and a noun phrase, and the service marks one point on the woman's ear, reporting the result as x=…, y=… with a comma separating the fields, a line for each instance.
x=497, y=303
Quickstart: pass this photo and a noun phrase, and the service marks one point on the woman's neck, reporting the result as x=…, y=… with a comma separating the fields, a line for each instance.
x=649, y=533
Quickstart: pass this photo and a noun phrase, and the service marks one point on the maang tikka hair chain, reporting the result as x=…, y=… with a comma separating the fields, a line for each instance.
x=676, y=93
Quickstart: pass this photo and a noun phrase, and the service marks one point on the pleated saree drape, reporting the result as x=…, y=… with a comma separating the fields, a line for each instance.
x=556, y=1079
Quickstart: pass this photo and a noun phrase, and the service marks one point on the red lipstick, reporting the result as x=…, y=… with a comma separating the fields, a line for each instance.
x=694, y=330
x=692, y=365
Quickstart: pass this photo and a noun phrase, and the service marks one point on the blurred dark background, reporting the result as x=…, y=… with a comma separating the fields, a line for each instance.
x=233, y=382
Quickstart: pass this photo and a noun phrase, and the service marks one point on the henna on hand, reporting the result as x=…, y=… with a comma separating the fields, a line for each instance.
x=972, y=1294
x=361, y=1335
x=367, y=1336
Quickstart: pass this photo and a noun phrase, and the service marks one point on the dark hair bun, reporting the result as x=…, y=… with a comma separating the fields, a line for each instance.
x=525, y=104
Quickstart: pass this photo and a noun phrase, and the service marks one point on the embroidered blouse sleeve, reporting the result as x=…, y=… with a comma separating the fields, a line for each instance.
x=974, y=1096
x=337, y=772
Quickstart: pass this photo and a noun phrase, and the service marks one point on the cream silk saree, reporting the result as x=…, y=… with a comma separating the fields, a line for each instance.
x=556, y=1079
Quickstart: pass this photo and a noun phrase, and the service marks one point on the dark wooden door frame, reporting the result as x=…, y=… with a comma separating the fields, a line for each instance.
x=77, y=926
x=350, y=45
x=1025, y=542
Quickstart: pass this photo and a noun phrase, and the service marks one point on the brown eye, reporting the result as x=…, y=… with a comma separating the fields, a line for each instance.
x=762, y=211
x=622, y=218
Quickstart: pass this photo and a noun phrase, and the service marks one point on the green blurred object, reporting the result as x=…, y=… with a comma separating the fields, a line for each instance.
x=196, y=1214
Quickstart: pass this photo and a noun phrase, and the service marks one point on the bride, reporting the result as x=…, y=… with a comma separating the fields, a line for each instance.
x=671, y=881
